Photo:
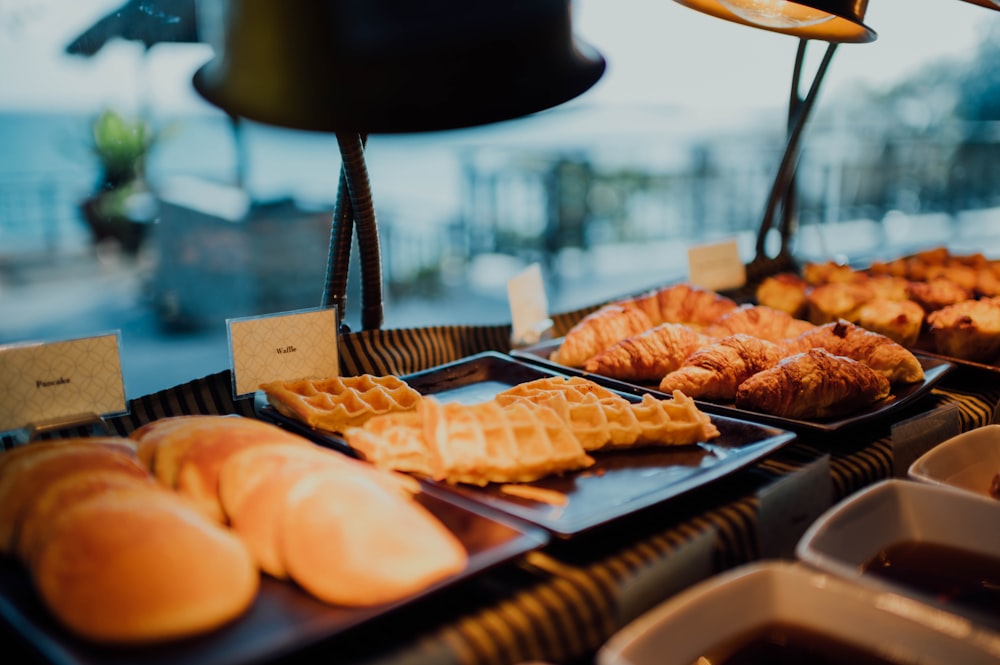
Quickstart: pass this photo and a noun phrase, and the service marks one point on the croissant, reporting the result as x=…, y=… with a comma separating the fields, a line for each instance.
x=761, y=321
x=599, y=330
x=682, y=303
x=882, y=354
x=715, y=371
x=648, y=356
x=812, y=384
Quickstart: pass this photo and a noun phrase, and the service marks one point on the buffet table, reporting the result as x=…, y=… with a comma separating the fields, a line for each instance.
x=561, y=602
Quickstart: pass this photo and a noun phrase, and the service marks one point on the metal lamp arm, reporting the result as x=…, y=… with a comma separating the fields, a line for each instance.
x=799, y=111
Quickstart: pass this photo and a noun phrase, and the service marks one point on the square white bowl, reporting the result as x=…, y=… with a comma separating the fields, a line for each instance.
x=729, y=606
x=851, y=533
x=968, y=461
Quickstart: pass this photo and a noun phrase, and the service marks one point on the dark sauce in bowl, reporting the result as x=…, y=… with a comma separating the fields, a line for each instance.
x=783, y=643
x=954, y=577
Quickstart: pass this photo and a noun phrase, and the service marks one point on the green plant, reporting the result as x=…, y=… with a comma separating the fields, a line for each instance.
x=121, y=144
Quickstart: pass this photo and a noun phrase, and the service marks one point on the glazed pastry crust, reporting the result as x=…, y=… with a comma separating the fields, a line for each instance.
x=682, y=303
x=969, y=330
x=843, y=338
x=812, y=384
x=715, y=371
x=599, y=330
x=650, y=355
x=761, y=321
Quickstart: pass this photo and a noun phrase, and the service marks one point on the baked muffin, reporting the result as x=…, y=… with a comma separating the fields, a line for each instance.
x=786, y=292
x=899, y=320
x=937, y=293
x=969, y=330
x=837, y=300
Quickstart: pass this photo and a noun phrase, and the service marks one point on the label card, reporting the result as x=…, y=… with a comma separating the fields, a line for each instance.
x=55, y=380
x=913, y=437
x=283, y=347
x=716, y=266
x=529, y=307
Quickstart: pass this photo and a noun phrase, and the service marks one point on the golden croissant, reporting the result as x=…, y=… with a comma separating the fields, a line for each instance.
x=715, y=371
x=843, y=338
x=812, y=384
x=650, y=355
x=599, y=330
x=761, y=321
x=681, y=303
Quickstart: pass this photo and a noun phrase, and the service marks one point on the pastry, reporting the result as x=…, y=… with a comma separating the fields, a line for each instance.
x=336, y=403
x=969, y=330
x=139, y=565
x=602, y=420
x=681, y=303
x=599, y=330
x=812, y=384
x=347, y=541
x=937, y=293
x=646, y=357
x=837, y=300
x=843, y=338
x=714, y=371
x=473, y=444
x=190, y=451
x=761, y=321
x=785, y=291
x=25, y=475
x=115, y=556
x=899, y=320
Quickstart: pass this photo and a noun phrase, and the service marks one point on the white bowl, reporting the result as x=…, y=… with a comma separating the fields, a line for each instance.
x=727, y=607
x=968, y=461
x=854, y=531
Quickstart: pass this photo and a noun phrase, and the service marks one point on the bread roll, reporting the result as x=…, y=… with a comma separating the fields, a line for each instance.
x=59, y=496
x=28, y=472
x=131, y=566
x=252, y=486
x=191, y=450
x=347, y=541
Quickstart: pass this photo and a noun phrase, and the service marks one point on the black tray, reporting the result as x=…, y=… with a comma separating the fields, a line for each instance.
x=620, y=483
x=283, y=619
x=902, y=395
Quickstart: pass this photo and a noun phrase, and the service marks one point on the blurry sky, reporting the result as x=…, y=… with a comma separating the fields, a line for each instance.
x=659, y=53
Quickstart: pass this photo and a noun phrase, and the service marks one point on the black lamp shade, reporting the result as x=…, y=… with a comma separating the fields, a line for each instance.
x=984, y=3
x=846, y=26
x=388, y=66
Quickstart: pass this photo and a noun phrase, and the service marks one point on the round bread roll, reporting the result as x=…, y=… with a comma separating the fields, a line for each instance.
x=244, y=470
x=131, y=566
x=188, y=452
x=60, y=495
x=24, y=477
x=348, y=541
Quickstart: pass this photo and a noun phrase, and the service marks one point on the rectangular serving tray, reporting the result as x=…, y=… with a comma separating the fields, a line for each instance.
x=283, y=618
x=902, y=395
x=619, y=484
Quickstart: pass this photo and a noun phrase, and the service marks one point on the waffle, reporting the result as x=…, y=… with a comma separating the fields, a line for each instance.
x=471, y=444
x=337, y=403
x=601, y=419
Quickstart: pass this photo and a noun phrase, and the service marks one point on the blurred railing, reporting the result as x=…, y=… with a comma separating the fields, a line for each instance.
x=858, y=195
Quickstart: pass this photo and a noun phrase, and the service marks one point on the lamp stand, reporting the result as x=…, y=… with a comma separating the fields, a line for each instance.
x=783, y=195
x=355, y=212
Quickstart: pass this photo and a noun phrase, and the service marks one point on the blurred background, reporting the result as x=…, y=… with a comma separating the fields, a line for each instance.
x=128, y=203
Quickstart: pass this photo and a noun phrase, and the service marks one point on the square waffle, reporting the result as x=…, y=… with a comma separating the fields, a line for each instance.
x=334, y=404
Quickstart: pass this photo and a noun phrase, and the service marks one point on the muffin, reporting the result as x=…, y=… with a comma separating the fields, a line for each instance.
x=969, y=330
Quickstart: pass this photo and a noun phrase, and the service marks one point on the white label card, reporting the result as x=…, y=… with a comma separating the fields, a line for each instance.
x=49, y=381
x=283, y=347
x=716, y=266
x=529, y=307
